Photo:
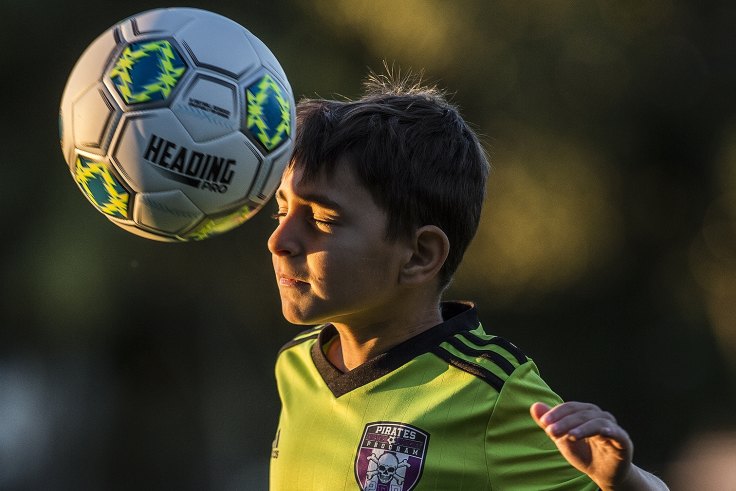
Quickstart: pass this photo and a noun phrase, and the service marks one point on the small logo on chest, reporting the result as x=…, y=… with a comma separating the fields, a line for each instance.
x=390, y=456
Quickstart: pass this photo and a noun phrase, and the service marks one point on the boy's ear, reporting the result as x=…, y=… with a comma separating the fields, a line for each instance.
x=429, y=249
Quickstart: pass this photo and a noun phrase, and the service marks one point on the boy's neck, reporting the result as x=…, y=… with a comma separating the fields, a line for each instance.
x=354, y=346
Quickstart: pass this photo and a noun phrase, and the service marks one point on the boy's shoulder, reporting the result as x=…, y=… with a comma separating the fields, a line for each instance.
x=304, y=336
x=491, y=358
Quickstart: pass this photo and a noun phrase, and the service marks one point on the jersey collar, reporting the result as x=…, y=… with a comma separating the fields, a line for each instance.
x=458, y=316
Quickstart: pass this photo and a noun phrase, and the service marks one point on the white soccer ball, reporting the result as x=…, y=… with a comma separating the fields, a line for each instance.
x=177, y=124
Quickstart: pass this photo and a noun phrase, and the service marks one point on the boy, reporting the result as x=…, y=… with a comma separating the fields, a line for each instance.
x=396, y=390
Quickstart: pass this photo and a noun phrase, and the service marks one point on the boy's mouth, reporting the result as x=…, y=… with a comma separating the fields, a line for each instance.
x=285, y=280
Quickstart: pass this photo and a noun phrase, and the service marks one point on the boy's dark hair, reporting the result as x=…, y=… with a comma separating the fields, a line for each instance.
x=412, y=151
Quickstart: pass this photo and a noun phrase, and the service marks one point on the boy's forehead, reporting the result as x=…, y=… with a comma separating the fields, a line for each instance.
x=326, y=189
x=340, y=190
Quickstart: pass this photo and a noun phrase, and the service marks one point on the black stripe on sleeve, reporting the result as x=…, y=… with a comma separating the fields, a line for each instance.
x=487, y=376
x=492, y=356
x=498, y=341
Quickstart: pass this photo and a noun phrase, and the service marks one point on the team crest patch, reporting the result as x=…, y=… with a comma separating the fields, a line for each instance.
x=390, y=456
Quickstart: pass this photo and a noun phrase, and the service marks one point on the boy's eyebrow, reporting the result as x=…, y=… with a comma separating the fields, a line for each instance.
x=317, y=198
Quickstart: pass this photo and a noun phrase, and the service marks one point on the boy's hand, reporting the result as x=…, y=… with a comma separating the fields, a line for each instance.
x=591, y=440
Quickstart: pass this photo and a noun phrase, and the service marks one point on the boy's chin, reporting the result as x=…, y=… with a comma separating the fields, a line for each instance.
x=298, y=317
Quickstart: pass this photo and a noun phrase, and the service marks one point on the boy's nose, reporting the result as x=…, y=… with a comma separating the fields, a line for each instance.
x=283, y=241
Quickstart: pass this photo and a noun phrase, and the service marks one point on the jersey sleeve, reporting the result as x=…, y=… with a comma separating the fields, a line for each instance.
x=519, y=454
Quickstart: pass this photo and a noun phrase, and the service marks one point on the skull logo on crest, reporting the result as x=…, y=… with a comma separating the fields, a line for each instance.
x=386, y=468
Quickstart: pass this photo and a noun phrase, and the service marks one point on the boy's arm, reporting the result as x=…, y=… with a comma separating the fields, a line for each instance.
x=592, y=442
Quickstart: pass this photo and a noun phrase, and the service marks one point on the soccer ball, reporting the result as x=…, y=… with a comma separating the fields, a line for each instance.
x=177, y=124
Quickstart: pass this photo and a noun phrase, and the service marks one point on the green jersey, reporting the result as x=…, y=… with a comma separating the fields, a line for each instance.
x=445, y=410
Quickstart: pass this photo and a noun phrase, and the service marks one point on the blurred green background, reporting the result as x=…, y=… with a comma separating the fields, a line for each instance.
x=607, y=250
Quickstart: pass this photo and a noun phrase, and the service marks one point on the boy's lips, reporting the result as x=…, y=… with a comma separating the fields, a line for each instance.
x=290, y=280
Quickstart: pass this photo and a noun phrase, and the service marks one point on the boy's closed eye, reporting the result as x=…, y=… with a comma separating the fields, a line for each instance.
x=320, y=220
